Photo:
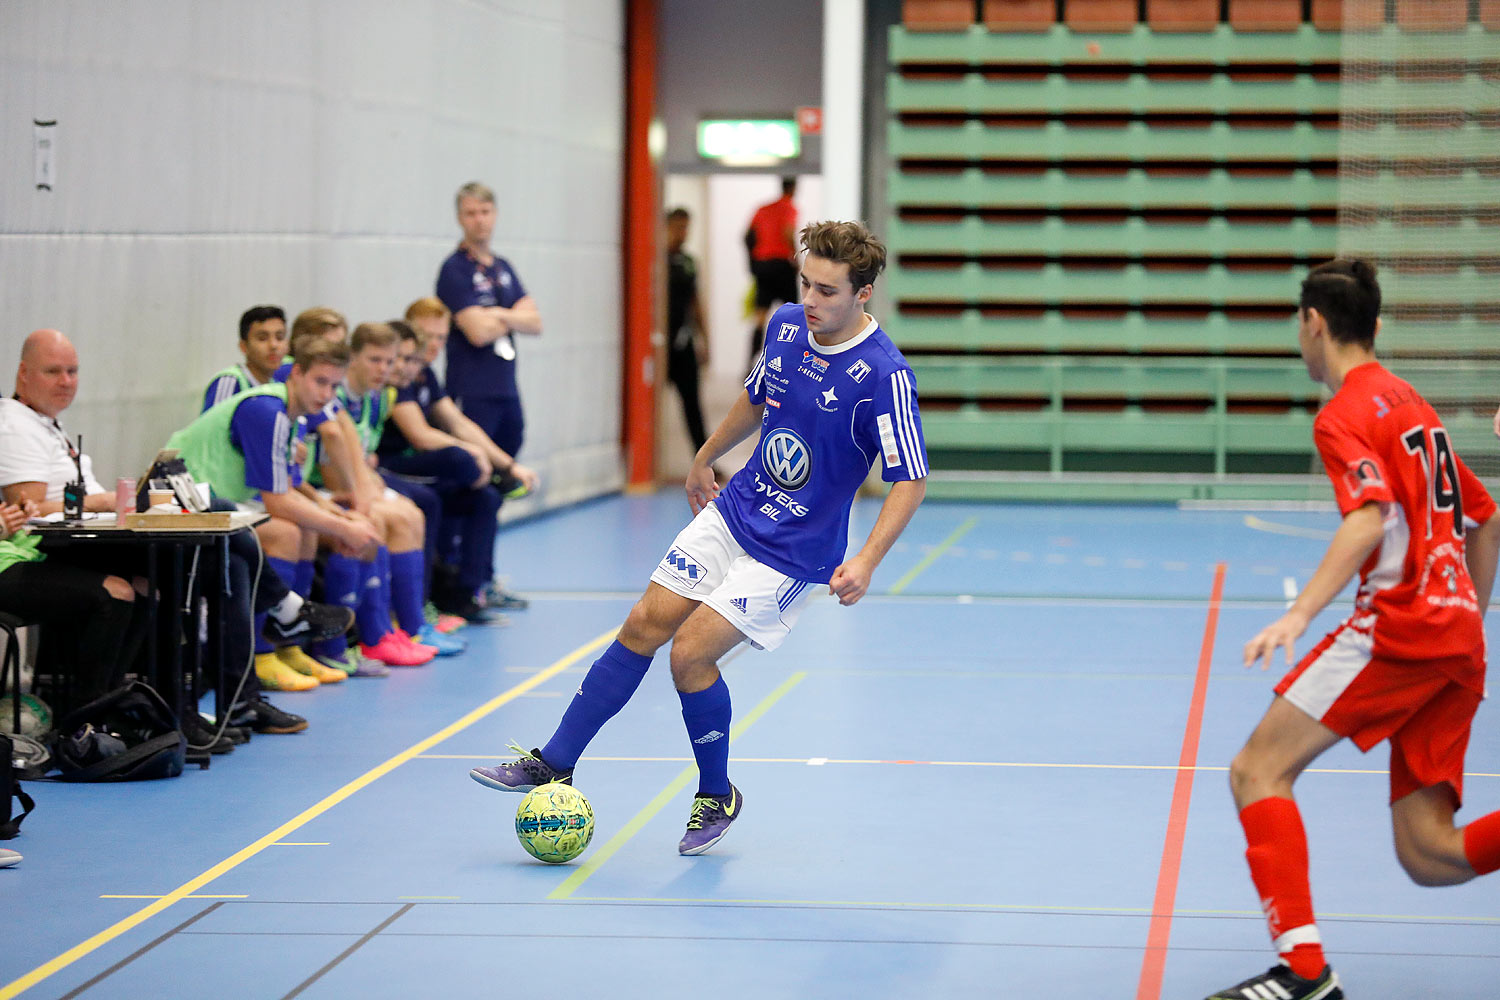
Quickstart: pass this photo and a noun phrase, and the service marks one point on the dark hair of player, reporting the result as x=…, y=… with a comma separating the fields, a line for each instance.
x=258, y=314
x=1346, y=294
x=406, y=332
x=846, y=243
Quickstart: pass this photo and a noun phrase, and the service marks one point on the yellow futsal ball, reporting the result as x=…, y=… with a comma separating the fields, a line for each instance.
x=554, y=823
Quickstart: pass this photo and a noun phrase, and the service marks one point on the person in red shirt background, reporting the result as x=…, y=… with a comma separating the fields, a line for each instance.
x=772, y=241
x=1408, y=664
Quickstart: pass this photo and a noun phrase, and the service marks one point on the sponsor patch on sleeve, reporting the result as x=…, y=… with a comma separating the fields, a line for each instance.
x=1361, y=474
x=888, y=441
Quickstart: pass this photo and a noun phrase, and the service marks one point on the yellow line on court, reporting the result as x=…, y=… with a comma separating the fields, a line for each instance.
x=186, y=890
x=933, y=556
x=202, y=895
x=596, y=860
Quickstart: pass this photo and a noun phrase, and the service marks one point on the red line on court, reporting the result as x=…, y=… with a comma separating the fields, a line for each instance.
x=1155, y=961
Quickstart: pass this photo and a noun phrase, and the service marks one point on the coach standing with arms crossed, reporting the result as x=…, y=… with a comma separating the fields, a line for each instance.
x=489, y=306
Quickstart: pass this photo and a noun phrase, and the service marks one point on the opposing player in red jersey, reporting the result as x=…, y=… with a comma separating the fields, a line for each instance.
x=1407, y=666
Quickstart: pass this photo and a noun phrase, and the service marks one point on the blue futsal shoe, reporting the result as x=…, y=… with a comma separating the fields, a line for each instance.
x=710, y=820
x=521, y=775
x=446, y=645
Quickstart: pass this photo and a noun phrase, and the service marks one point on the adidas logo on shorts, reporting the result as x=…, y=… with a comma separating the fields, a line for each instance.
x=740, y=604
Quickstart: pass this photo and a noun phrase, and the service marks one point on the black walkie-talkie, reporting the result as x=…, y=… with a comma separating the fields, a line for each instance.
x=73, y=492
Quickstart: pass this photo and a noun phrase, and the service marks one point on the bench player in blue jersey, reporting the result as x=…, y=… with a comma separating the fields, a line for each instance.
x=263, y=342
x=831, y=396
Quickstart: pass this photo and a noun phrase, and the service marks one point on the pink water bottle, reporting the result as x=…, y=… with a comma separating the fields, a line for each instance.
x=124, y=497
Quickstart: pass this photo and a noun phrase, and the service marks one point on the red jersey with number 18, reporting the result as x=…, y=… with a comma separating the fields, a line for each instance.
x=1380, y=441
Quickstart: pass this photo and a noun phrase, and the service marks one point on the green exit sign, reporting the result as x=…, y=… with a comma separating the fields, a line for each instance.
x=749, y=141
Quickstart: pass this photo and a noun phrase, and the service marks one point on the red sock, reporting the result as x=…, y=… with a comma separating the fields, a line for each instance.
x=1277, y=854
x=1482, y=843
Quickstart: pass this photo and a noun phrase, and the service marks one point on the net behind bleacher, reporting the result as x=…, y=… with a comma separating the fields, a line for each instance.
x=1419, y=193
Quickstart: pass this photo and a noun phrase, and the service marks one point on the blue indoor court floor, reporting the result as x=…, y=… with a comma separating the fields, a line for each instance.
x=1002, y=774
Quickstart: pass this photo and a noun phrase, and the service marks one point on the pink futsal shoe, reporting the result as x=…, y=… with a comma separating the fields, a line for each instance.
x=405, y=637
x=391, y=651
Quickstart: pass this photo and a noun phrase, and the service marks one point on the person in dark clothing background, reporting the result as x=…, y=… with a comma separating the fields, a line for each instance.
x=687, y=335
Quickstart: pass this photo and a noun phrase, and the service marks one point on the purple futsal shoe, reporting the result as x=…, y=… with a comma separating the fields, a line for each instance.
x=710, y=820
x=521, y=775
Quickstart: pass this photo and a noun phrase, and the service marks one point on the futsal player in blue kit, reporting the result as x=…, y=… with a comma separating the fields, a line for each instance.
x=831, y=395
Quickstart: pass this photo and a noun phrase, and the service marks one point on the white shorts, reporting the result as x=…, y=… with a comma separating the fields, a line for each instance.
x=255, y=505
x=389, y=494
x=706, y=564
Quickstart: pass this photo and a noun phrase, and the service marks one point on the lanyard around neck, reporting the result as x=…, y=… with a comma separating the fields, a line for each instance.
x=53, y=426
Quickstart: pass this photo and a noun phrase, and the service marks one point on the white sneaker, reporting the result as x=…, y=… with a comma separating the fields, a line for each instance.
x=9, y=858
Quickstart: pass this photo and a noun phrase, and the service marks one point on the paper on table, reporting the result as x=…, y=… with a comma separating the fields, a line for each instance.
x=56, y=517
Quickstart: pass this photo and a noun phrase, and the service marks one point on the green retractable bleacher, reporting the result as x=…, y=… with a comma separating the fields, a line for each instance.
x=1096, y=245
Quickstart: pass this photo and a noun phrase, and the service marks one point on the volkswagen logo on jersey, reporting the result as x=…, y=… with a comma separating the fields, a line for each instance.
x=787, y=458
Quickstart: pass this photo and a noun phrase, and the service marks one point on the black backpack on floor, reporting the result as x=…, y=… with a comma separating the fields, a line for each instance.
x=127, y=735
x=10, y=793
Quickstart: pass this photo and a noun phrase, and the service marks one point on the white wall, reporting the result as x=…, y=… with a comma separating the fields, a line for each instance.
x=213, y=155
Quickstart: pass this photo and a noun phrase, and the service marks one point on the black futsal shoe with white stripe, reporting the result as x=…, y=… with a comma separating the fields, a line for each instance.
x=1281, y=983
x=314, y=622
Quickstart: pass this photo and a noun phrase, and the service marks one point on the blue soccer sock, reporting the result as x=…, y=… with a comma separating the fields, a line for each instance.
x=605, y=689
x=302, y=584
x=706, y=714
x=372, y=617
x=406, y=589
x=341, y=585
x=287, y=570
x=382, y=583
x=341, y=579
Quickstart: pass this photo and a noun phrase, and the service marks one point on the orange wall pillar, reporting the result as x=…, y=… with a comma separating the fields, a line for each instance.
x=640, y=250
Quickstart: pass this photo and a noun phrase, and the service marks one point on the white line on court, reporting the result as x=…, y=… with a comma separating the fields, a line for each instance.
x=1294, y=530
x=1062, y=601
x=822, y=761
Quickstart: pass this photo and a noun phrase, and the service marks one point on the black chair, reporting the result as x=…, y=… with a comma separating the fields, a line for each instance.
x=9, y=624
